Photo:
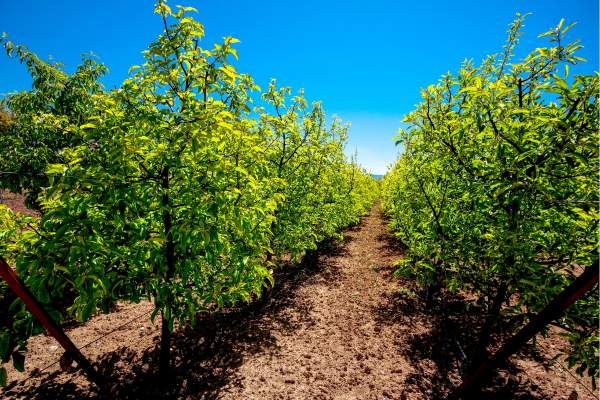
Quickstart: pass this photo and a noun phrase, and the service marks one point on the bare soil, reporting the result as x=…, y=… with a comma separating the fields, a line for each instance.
x=15, y=202
x=337, y=326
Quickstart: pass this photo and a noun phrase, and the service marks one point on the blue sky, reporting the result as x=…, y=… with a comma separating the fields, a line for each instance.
x=366, y=60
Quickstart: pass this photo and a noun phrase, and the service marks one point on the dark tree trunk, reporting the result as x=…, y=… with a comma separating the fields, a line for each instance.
x=165, y=351
x=434, y=288
x=165, y=342
x=310, y=259
x=480, y=351
x=493, y=316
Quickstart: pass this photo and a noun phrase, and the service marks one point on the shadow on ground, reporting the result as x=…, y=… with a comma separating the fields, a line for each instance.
x=205, y=359
x=438, y=342
x=388, y=245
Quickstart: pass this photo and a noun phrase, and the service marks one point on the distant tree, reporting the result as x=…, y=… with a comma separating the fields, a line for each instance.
x=37, y=130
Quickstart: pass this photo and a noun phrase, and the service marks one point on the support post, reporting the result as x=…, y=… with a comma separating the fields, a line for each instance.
x=34, y=306
x=580, y=286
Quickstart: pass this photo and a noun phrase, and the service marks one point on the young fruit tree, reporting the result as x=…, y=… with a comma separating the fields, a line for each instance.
x=165, y=198
x=495, y=192
x=322, y=192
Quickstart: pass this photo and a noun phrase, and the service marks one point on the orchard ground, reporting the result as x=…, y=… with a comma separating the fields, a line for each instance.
x=337, y=326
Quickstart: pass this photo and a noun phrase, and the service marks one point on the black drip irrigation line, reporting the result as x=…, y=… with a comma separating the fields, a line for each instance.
x=575, y=377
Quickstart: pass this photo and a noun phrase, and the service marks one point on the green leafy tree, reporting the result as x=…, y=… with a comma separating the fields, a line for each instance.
x=322, y=191
x=496, y=190
x=38, y=128
x=167, y=189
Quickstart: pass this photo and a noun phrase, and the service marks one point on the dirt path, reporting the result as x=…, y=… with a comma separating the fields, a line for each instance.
x=336, y=328
x=339, y=350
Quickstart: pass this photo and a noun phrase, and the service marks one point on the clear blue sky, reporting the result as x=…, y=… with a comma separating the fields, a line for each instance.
x=366, y=60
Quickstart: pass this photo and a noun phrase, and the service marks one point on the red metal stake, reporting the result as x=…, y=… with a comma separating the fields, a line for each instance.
x=34, y=306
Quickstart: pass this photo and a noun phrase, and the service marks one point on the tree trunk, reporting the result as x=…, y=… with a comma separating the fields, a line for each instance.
x=165, y=342
x=480, y=351
x=165, y=351
x=493, y=315
x=434, y=287
x=271, y=239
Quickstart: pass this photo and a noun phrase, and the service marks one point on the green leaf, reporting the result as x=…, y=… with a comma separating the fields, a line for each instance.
x=18, y=361
x=133, y=68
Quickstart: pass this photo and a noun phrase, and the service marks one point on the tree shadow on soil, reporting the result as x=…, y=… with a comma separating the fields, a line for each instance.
x=389, y=246
x=206, y=359
x=437, y=342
